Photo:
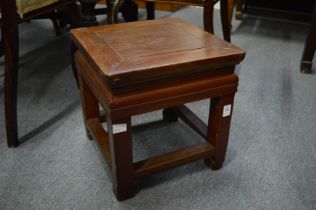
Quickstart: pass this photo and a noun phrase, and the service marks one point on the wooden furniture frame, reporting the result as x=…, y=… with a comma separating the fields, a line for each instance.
x=129, y=11
x=152, y=65
x=226, y=12
x=310, y=43
x=10, y=35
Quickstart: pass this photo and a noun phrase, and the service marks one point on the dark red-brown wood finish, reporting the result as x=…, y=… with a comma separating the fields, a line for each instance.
x=138, y=67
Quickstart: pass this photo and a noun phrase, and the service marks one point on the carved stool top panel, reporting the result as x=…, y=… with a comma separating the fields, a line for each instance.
x=139, y=51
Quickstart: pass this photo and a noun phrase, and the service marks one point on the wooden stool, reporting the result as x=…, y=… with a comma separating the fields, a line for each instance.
x=138, y=67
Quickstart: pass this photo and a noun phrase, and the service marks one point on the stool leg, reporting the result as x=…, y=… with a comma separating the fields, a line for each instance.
x=90, y=105
x=218, y=128
x=169, y=114
x=120, y=141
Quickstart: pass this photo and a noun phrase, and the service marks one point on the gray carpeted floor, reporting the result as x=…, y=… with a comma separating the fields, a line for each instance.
x=271, y=157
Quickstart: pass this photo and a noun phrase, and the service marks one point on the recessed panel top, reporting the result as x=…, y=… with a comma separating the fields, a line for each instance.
x=147, y=40
x=158, y=48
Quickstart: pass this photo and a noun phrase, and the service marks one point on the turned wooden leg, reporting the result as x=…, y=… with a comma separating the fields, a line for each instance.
x=218, y=128
x=150, y=9
x=231, y=6
x=112, y=10
x=128, y=8
x=88, y=13
x=225, y=19
x=120, y=140
x=208, y=16
x=310, y=45
x=11, y=52
x=90, y=105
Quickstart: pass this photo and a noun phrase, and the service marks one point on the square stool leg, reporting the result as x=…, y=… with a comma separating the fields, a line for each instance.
x=120, y=141
x=120, y=155
x=169, y=114
x=90, y=105
x=218, y=128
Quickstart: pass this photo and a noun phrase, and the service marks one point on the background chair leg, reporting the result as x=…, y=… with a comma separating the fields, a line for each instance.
x=239, y=9
x=57, y=28
x=208, y=16
x=74, y=15
x=88, y=13
x=150, y=8
x=11, y=52
x=225, y=20
x=112, y=10
x=231, y=7
x=129, y=10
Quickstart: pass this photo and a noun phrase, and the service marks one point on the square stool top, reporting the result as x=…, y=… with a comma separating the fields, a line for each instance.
x=128, y=53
